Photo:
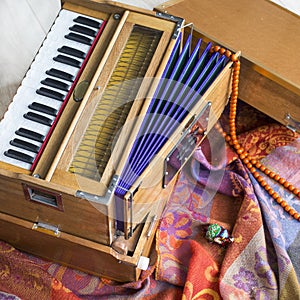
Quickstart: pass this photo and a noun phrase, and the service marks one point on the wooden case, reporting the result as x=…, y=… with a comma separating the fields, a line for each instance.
x=71, y=219
x=268, y=37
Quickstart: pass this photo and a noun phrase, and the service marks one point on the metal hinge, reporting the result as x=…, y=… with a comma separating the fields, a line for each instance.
x=151, y=226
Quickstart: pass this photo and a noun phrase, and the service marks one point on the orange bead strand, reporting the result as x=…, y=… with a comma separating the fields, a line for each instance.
x=252, y=164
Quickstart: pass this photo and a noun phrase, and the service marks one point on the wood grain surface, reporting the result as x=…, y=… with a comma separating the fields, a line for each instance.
x=24, y=24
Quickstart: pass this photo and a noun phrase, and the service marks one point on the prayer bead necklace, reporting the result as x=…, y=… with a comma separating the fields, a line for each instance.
x=252, y=164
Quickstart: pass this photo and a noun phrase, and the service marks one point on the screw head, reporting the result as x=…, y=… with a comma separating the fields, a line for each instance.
x=117, y=17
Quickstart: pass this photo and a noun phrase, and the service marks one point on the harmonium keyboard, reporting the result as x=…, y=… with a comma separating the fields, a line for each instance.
x=114, y=103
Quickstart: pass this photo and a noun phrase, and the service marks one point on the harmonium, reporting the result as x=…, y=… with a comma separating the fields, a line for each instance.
x=113, y=104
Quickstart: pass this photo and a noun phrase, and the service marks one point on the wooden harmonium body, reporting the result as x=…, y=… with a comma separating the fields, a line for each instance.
x=265, y=34
x=100, y=129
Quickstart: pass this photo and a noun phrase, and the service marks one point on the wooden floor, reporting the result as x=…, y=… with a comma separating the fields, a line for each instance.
x=24, y=24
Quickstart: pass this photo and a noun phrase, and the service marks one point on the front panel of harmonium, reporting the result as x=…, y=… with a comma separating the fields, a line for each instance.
x=111, y=117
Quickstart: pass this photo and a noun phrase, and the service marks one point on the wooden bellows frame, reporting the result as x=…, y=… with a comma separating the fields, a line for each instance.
x=264, y=32
x=73, y=208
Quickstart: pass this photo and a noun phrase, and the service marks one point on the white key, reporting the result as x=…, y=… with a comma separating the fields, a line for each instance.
x=14, y=117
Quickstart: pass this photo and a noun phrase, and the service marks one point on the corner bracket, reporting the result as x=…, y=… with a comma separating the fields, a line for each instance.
x=179, y=22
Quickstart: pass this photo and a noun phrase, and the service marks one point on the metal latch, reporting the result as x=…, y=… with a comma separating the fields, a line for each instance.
x=190, y=140
x=292, y=124
x=46, y=228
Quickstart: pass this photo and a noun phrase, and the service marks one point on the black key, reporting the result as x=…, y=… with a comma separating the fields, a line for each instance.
x=56, y=84
x=79, y=38
x=30, y=134
x=19, y=156
x=60, y=74
x=71, y=51
x=43, y=108
x=38, y=118
x=67, y=60
x=87, y=21
x=50, y=93
x=83, y=30
x=25, y=145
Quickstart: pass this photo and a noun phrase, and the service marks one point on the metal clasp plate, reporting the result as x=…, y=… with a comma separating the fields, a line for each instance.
x=46, y=228
x=292, y=124
x=190, y=140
